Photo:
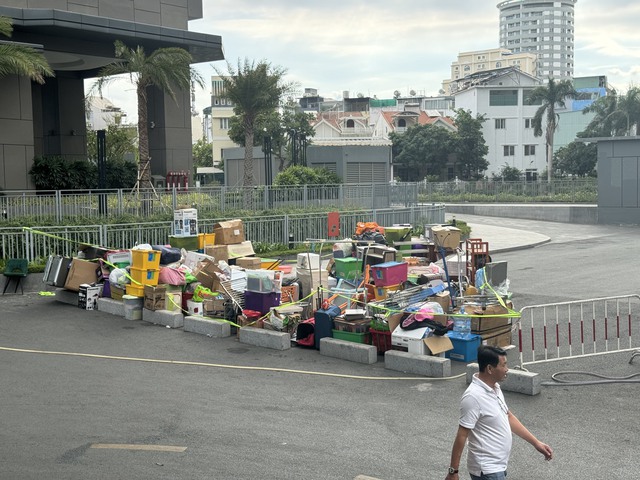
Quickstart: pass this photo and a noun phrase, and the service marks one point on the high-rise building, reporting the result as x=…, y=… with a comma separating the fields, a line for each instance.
x=542, y=27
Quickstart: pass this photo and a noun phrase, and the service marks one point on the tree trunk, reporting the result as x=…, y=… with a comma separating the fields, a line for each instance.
x=144, y=162
x=550, y=153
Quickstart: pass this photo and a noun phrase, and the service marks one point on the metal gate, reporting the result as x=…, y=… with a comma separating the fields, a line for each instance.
x=558, y=331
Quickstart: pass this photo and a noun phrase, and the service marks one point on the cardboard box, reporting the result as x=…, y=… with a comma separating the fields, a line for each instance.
x=192, y=259
x=213, y=305
x=253, y=263
x=116, y=292
x=229, y=232
x=231, y=251
x=443, y=299
x=310, y=280
x=88, y=296
x=185, y=222
x=162, y=297
x=498, y=337
x=488, y=321
x=447, y=237
x=81, y=271
x=207, y=274
x=415, y=343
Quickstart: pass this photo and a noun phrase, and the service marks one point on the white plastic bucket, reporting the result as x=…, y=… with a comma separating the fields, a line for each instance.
x=132, y=307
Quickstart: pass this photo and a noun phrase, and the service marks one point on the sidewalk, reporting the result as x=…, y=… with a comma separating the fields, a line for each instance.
x=503, y=239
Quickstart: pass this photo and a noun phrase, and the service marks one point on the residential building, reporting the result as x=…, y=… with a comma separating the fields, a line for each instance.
x=77, y=39
x=542, y=27
x=469, y=63
x=501, y=96
x=221, y=113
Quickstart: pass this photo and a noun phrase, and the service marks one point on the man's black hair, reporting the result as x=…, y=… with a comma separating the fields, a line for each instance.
x=489, y=356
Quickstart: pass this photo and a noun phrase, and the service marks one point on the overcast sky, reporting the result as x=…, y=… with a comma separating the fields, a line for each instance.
x=374, y=47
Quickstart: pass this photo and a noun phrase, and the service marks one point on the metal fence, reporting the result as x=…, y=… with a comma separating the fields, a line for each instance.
x=40, y=242
x=60, y=205
x=571, y=191
x=557, y=331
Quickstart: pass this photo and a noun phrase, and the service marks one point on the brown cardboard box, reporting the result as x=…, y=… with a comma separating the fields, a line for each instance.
x=497, y=337
x=230, y=252
x=207, y=274
x=81, y=271
x=488, y=321
x=443, y=299
x=213, y=305
x=229, y=232
x=252, y=263
x=157, y=297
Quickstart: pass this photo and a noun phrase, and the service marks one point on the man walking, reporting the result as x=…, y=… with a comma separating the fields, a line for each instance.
x=485, y=420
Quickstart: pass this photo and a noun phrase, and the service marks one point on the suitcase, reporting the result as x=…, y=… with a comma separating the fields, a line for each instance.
x=56, y=270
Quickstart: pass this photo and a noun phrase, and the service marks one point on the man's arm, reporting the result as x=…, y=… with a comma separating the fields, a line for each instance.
x=519, y=429
x=456, y=451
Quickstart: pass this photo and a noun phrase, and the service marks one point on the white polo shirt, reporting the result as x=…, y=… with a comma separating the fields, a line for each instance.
x=484, y=412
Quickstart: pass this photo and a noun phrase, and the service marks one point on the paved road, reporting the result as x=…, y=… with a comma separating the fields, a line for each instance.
x=257, y=422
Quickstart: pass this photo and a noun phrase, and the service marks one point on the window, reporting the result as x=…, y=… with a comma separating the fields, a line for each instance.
x=529, y=150
x=528, y=123
x=224, y=124
x=351, y=123
x=499, y=98
x=501, y=123
x=509, y=150
x=402, y=123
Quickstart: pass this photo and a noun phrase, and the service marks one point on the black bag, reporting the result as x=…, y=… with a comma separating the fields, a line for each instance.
x=411, y=322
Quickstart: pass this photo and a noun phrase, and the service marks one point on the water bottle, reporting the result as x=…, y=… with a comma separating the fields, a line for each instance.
x=462, y=324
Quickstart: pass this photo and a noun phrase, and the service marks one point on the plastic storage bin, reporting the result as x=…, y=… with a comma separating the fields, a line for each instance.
x=389, y=273
x=351, y=337
x=145, y=259
x=264, y=281
x=145, y=276
x=348, y=268
x=465, y=347
x=261, y=302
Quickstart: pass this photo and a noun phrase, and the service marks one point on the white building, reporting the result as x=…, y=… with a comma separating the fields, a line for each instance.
x=101, y=113
x=221, y=113
x=501, y=96
x=542, y=27
x=469, y=63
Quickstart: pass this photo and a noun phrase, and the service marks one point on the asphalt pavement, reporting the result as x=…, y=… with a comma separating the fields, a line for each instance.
x=92, y=395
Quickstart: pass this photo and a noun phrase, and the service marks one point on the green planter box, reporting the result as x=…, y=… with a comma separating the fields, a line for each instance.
x=352, y=337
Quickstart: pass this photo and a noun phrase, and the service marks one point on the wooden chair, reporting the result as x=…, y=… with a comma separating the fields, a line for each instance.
x=15, y=269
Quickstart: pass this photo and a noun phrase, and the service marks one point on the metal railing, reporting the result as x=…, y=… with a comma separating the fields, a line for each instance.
x=558, y=331
x=40, y=242
x=59, y=205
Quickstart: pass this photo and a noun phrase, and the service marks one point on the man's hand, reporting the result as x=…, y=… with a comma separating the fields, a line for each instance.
x=545, y=450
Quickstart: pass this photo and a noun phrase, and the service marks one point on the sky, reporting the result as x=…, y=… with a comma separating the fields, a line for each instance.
x=375, y=47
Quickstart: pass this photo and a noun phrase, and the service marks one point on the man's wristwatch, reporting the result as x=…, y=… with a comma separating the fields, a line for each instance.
x=452, y=470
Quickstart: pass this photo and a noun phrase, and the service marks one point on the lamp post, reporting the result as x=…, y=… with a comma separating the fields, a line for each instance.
x=268, y=167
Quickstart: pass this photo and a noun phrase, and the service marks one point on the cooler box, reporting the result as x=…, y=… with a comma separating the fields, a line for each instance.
x=390, y=273
x=348, y=268
x=465, y=347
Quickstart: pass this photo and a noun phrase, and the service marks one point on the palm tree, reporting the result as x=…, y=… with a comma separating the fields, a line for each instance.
x=254, y=90
x=164, y=68
x=550, y=95
x=614, y=114
x=18, y=59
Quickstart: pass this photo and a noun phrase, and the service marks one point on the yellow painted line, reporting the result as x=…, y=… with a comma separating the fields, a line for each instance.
x=133, y=446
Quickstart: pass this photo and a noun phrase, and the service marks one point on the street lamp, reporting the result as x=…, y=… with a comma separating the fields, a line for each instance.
x=268, y=167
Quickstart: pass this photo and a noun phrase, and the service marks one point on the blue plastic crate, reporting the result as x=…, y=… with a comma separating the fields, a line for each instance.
x=465, y=348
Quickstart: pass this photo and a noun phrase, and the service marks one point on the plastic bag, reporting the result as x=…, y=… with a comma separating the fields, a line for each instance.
x=171, y=276
x=119, y=277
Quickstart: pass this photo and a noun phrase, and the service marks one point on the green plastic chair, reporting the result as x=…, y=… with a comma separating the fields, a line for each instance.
x=15, y=269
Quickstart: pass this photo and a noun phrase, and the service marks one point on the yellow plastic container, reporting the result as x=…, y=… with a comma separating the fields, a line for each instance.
x=145, y=259
x=206, y=240
x=381, y=293
x=145, y=276
x=135, y=290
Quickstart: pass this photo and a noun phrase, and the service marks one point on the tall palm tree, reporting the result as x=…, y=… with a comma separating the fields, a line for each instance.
x=549, y=96
x=605, y=122
x=164, y=68
x=254, y=90
x=629, y=109
x=18, y=59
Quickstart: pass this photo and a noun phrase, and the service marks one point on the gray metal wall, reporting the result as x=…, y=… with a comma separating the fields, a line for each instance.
x=619, y=180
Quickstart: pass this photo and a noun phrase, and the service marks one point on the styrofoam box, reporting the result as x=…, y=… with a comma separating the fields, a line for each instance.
x=308, y=260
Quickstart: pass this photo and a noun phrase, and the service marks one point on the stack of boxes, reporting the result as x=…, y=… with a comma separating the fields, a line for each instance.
x=494, y=330
x=229, y=242
x=145, y=270
x=310, y=274
x=263, y=290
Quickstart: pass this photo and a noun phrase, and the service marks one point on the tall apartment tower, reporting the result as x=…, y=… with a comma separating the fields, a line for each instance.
x=542, y=27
